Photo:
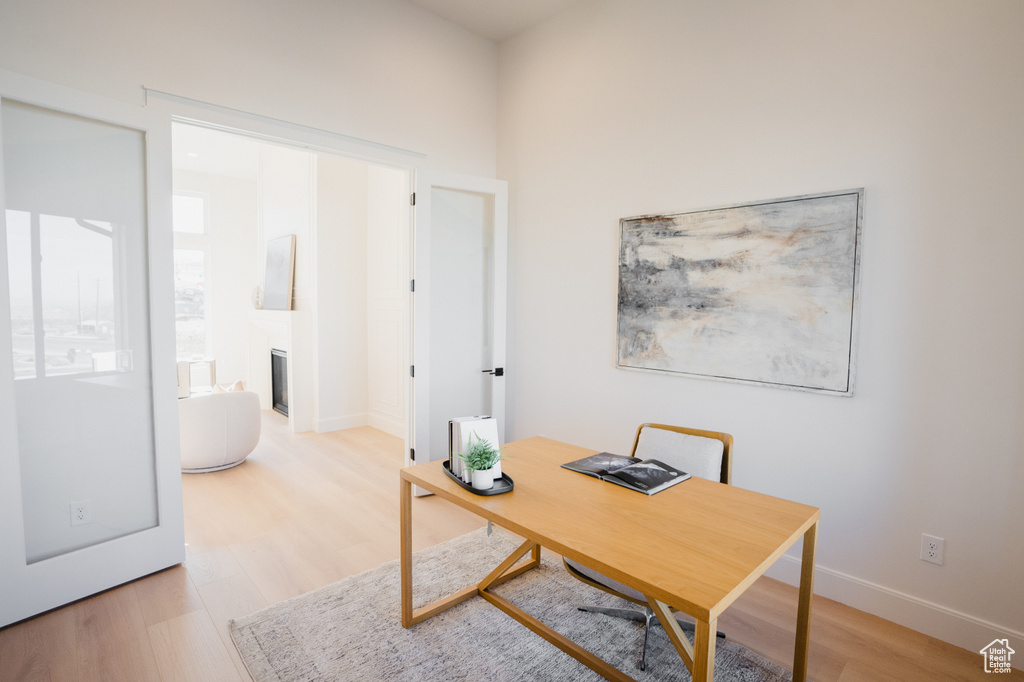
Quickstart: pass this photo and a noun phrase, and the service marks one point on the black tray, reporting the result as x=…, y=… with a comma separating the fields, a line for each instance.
x=501, y=485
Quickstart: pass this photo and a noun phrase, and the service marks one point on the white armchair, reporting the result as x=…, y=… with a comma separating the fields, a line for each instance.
x=218, y=430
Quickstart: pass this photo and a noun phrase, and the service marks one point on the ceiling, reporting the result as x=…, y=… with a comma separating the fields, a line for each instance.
x=201, y=150
x=494, y=19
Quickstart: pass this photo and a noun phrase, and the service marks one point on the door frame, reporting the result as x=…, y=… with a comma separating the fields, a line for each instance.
x=29, y=589
x=419, y=397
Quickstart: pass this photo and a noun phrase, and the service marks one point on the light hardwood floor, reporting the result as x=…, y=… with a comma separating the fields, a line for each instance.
x=307, y=510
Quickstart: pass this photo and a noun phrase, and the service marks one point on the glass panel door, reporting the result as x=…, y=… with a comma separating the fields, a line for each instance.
x=84, y=404
x=88, y=455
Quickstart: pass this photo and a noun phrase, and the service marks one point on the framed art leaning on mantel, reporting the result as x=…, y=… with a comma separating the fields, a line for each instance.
x=763, y=292
x=279, y=277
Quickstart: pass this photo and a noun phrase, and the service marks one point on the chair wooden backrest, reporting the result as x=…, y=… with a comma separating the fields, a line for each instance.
x=726, y=474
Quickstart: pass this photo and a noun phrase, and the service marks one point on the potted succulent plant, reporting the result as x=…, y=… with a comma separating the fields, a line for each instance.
x=483, y=461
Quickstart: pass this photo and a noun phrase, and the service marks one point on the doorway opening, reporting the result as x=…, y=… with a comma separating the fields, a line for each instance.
x=345, y=341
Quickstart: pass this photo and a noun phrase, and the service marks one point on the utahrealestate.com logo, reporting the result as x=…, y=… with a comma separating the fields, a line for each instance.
x=997, y=656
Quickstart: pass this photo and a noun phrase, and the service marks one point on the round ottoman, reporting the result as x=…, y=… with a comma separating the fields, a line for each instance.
x=218, y=430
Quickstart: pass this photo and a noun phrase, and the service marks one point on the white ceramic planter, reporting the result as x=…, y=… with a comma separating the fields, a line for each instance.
x=483, y=479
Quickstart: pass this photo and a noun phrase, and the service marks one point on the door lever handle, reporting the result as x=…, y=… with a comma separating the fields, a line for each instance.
x=497, y=371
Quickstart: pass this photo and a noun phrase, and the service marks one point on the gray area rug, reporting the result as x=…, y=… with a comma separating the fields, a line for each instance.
x=350, y=630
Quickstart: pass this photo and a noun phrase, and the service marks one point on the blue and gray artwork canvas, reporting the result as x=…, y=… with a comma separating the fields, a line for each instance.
x=761, y=292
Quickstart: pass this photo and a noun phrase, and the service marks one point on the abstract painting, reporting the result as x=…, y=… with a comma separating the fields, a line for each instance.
x=764, y=292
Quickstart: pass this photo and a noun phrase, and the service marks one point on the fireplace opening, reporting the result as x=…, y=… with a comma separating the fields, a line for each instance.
x=279, y=380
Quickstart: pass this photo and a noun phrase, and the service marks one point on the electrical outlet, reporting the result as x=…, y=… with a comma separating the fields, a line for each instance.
x=932, y=548
x=81, y=512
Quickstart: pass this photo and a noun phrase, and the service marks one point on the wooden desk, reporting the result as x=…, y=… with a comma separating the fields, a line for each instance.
x=694, y=547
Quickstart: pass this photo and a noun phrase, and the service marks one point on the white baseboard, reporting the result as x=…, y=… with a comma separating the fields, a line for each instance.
x=387, y=424
x=960, y=629
x=348, y=421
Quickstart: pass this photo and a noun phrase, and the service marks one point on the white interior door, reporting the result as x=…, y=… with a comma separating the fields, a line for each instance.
x=459, y=306
x=90, y=483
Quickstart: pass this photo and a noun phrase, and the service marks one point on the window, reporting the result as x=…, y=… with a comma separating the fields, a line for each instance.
x=19, y=268
x=63, y=303
x=189, y=302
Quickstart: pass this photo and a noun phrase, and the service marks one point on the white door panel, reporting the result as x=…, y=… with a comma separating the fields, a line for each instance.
x=90, y=487
x=459, y=305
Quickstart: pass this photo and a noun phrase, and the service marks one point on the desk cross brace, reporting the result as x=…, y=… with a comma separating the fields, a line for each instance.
x=507, y=570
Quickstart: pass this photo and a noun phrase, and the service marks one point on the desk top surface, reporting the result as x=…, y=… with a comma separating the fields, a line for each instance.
x=695, y=546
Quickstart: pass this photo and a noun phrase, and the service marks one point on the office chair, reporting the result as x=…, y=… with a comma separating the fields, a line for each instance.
x=707, y=454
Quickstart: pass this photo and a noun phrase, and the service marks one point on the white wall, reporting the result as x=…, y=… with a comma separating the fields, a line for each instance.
x=387, y=297
x=615, y=108
x=341, y=293
x=231, y=272
x=362, y=295
x=381, y=70
x=287, y=206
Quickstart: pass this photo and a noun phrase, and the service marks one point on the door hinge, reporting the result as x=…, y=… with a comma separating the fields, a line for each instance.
x=412, y=370
x=412, y=454
x=412, y=285
x=412, y=199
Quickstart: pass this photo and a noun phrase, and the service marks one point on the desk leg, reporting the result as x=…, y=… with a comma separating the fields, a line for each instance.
x=405, y=556
x=803, y=617
x=704, y=636
x=499, y=575
x=699, y=658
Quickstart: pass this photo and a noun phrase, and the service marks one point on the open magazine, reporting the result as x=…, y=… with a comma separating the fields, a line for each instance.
x=643, y=475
